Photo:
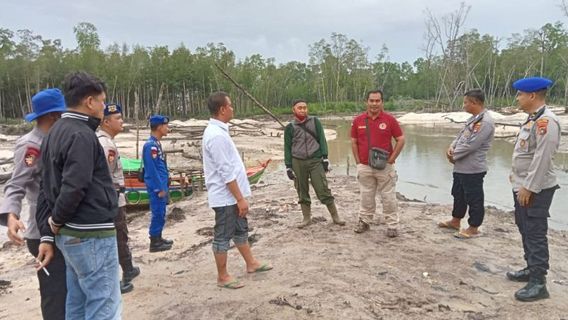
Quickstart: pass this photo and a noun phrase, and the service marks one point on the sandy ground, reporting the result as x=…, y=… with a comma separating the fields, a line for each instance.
x=322, y=272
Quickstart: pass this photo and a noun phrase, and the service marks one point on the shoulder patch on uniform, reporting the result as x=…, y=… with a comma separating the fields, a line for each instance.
x=154, y=152
x=542, y=125
x=476, y=127
x=31, y=156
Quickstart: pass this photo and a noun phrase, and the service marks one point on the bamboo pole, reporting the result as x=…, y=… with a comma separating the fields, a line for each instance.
x=249, y=95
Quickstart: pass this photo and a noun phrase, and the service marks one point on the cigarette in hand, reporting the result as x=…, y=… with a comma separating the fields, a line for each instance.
x=43, y=268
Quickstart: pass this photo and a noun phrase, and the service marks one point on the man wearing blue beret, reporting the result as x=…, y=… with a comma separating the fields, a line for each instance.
x=534, y=183
x=109, y=128
x=47, y=106
x=156, y=177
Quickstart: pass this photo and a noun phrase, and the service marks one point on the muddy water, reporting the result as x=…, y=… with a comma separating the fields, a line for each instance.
x=425, y=174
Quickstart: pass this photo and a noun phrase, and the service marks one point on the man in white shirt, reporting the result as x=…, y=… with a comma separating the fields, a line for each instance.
x=227, y=188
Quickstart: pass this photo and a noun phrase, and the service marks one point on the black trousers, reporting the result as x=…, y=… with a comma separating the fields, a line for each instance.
x=52, y=288
x=124, y=254
x=467, y=190
x=533, y=225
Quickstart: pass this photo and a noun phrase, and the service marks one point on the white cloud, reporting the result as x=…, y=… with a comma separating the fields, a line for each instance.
x=280, y=29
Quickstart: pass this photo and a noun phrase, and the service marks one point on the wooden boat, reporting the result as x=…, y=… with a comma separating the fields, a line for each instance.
x=181, y=186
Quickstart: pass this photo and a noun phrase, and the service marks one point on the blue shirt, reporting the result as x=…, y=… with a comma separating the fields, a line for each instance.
x=155, y=168
x=221, y=165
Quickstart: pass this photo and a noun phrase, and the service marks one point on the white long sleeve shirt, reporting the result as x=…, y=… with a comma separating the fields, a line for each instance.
x=221, y=165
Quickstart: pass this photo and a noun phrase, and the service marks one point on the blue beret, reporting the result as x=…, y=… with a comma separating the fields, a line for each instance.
x=532, y=84
x=158, y=119
x=112, y=108
x=46, y=101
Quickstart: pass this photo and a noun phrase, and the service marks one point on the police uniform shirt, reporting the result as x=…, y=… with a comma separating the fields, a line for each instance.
x=536, y=143
x=472, y=143
x=114, y=164
x=25, y=181
x=156, y=174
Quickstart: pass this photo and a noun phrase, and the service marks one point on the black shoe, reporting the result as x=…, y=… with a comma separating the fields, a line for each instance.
x=127, y=276
x=166, y=241
x=534, y=290
x=519, y=276
x=157, y=245
x=126, y=287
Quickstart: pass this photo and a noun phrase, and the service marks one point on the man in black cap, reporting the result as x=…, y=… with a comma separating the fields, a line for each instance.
x=110, y=127
x=25, y=182
x=534, y=184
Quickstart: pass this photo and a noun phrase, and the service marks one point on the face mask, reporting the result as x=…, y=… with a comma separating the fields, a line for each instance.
x=300, y=118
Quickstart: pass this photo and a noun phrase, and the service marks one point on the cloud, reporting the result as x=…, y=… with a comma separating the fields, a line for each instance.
x=280, y=29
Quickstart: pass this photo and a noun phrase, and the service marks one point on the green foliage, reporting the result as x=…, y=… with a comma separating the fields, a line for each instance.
x=178, y=81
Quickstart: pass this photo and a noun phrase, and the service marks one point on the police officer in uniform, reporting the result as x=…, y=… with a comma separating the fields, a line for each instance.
x=109, y=128
x=25, y=182
x=468, y=154
x=156, y=177
x=534, y=183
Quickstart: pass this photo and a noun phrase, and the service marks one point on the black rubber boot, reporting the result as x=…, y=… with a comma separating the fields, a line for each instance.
x=126, y=287
x=519, y=276
x=157, y=245
x=166, y=241
x=128, y=275
x=534, y=290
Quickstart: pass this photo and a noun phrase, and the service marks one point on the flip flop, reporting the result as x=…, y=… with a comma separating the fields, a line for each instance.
x=234, y=284
x=263, y=267
x=447, y=225
x=464, y=235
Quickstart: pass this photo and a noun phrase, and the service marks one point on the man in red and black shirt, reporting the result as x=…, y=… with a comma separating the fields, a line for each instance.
x=376, y=129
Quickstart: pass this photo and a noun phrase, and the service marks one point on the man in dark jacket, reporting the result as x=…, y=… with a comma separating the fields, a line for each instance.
x=79, y=199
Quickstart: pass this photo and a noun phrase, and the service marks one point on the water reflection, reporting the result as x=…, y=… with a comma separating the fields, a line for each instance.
x=425, y=174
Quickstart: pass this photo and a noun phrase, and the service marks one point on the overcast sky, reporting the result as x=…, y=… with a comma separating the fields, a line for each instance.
x=279, y=29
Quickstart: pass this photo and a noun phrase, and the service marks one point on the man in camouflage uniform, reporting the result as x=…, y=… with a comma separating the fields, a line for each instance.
x=109, y=128
x=534, y=184
x=25, y=182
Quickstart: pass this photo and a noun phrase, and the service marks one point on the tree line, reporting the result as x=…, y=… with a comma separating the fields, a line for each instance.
x=339, y=71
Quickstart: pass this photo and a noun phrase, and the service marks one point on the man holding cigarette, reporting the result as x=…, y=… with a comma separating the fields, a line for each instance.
x=80, y=201
x=47, y=107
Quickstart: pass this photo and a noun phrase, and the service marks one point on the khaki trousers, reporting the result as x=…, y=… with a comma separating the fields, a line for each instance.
x=371, y=182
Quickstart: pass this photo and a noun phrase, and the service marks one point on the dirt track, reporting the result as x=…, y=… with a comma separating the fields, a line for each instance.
x=324, y=271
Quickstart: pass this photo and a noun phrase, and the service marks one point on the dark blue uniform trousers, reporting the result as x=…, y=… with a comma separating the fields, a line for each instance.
x=467, y=190
x=158, y=208
x=532, y=222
